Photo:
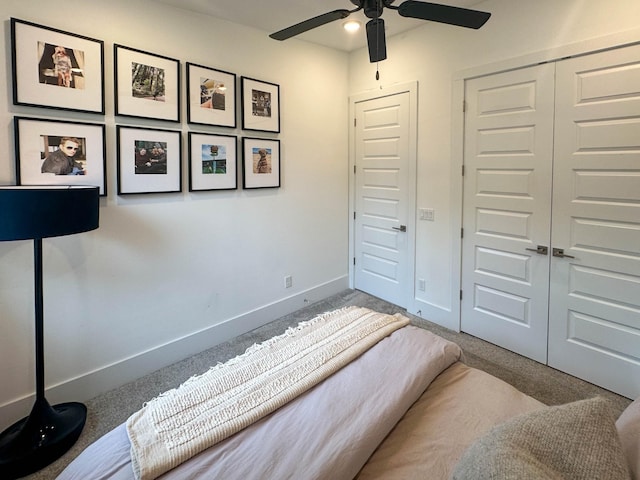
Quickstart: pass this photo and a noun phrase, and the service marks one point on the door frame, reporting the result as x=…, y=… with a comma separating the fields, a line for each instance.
x=412, y=89
x=586, y=47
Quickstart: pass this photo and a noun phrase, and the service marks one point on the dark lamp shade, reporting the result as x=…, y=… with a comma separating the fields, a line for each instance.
x=30, y=212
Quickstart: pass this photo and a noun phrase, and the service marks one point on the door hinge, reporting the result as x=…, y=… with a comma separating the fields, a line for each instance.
x=354, y=260
x=355, y=122
x=354, y=215
x=354, y=169
x=462, y=233
x=464, y=105
x=460, y=294
x=463, y=170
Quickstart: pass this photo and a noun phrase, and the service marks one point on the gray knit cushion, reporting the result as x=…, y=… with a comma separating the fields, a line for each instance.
x=573, y=441
x=628, y=425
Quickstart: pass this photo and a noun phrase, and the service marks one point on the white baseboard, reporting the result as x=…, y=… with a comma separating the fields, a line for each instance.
x=94, y=383
x=437, y=314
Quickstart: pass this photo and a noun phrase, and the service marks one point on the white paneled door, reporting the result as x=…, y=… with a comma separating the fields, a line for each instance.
x=594, y=317
x=382, y=154
x=507, y=209
x=551, y=247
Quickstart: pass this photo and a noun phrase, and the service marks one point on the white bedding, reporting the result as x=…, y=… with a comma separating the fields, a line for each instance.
x=211, y=407
x=459, y=406
x=328, y=432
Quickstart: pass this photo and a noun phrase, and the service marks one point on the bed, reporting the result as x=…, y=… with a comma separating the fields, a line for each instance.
x=370, y=397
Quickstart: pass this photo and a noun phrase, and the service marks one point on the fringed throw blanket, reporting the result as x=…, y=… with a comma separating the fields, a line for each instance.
x=213, y=406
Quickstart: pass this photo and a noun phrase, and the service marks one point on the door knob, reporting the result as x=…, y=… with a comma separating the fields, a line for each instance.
x=559, y=252
x=541, y=249
x=401, y=228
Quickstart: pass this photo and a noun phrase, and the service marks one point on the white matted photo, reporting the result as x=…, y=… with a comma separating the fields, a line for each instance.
x=260, y=105
x=212, y=162
x=56, y=152
x=261, y=163
x=211, y=96
x=146, y=85
x=149, y=160
x=56, y=69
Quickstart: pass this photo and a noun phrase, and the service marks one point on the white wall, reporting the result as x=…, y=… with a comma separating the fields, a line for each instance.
x=168, y=275
x=435, y=55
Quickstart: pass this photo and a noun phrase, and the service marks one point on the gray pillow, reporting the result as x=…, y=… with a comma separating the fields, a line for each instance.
x=628, y=426
x=573, y=441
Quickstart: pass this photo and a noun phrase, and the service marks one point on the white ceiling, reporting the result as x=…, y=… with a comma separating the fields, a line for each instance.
x=274, y=15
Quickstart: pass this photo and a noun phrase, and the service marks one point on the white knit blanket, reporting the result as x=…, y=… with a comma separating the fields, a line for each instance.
x=208, y=408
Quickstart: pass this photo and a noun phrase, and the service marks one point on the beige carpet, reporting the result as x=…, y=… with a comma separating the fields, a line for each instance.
x=112, y=408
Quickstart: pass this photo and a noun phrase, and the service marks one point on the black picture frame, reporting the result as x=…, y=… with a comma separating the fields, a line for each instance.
x=55, y=69
x=149, y=160
x=38, y=163
x=261, y=163
x=146, y=85
x=260, y=105
x=211, y=96
x=213, y=162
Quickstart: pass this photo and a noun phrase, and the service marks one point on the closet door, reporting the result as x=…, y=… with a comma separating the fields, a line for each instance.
x=594, y=323
x=507, y=209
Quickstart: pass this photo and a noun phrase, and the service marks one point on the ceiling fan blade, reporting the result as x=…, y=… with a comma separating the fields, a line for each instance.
x=461, y=17
x=376, y=40
x=314, y=22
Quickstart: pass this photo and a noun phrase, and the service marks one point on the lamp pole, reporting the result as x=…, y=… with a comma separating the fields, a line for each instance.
x=39, y=305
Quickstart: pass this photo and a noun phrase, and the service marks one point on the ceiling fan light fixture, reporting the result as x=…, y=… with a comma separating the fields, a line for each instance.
x=352, y=26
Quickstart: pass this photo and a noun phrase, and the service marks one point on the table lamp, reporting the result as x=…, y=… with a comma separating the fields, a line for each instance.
x=34, y=213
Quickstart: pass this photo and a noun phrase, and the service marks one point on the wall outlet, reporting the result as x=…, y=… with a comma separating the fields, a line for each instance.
x=422, y=284
x=288, y=281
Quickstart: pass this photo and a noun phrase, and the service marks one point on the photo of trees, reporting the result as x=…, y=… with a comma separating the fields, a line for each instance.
x=147, y=82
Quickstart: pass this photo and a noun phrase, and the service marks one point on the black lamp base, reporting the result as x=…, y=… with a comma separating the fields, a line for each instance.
x=41, y=438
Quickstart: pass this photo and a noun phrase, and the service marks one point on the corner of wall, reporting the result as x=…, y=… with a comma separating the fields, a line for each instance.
x=112, y=376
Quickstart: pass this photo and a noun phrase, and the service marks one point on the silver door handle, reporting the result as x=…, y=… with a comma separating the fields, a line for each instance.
x=559, y=252
x=401, y=228
x=541, y=249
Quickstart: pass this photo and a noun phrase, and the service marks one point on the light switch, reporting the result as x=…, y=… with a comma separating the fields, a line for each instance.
x=427, y=214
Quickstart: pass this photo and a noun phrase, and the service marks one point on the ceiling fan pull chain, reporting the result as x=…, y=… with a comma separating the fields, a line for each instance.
x=377, y=19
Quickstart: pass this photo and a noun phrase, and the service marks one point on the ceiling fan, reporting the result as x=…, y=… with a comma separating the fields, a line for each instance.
x=376, y=41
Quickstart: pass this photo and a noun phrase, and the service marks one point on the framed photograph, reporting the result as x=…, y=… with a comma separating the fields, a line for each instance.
x=56, y=69
x=260, y=105
x=149, y=160
x=211, y=96
x=55, y=152
x=146, y=85
x=261, y=163
x=212, y=162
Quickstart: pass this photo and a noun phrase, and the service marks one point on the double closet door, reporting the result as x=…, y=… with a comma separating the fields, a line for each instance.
x=551, y=216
